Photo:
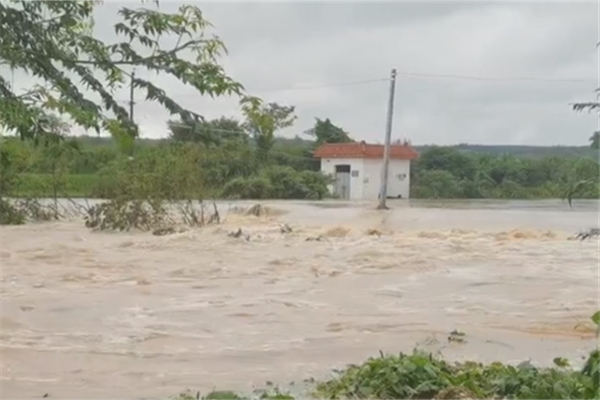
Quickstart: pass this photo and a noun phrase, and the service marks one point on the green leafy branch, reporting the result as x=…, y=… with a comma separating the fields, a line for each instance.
x=52, y=41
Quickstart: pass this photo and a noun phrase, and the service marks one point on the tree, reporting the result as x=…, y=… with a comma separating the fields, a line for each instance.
x=263, y=120
x=215, y=131
x=438, y=184
x=324, y=131
x=53, y=41
x=591, y=106
x=595, y=140
x=448, y=159
x=573, y=189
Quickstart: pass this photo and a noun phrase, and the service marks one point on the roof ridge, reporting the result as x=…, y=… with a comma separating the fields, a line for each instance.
x=364, y=150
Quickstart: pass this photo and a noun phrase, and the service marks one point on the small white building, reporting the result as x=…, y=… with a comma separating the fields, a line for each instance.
x=357, y=168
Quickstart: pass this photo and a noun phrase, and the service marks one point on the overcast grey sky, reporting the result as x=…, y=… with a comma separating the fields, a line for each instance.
x=275, y=46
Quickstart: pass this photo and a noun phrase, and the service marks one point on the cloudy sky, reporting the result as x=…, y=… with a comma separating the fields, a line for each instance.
x=312, y=54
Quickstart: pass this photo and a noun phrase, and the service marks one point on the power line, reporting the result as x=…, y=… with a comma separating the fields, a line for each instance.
x=309, y=87
x=326, y=85
x=495, y=79
x=409, y=74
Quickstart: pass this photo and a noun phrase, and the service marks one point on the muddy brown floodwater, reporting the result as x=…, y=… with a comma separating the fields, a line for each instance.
x=89, y=314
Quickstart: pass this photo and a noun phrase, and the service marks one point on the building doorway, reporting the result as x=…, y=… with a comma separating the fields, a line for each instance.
x=342, y=182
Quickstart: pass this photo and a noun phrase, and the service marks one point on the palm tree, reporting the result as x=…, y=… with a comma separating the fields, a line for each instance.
x=591, y=106
x=595, y=140
x=572, y=189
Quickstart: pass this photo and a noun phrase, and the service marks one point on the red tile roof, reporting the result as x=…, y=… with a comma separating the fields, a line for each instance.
x=364, y=150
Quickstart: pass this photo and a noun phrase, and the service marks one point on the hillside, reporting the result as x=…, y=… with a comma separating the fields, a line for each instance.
x=525, y=151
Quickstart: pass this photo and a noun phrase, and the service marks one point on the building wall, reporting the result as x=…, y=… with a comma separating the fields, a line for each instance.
x=398, y=178
x=366, y=185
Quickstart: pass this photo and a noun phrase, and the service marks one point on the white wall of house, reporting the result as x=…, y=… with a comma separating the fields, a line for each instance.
x=398, y=178
x=365, y=177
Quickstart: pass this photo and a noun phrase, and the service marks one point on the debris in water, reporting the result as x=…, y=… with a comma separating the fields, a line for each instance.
x=374, y=232
x=169, y=230
x=456, y=336
x=588, y=234
x=257, y=210
x=338, y=232
x=285, y=228
x=527, y=364
x=238, y=234
x=314, y=239
x=142, y=282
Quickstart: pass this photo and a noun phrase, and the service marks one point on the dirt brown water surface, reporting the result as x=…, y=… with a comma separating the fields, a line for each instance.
x=87, y=314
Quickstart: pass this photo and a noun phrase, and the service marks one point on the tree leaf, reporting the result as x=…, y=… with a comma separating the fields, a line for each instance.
x=596, y=318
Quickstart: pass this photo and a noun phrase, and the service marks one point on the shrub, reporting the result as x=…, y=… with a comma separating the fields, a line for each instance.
x=316, y=183
x=123, y=215
x=42, y=185
x=437, y=184
x=11, y=215
x=169, y=173
x=248, y=188
x=279, y=183
x=423, y=376
x=288, y=183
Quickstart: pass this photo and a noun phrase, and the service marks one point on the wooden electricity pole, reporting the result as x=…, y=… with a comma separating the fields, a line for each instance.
x=131, y=102
x=386, y=150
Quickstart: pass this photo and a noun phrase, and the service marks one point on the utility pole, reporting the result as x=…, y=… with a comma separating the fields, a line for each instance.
x=131, y=102
x=386, y=150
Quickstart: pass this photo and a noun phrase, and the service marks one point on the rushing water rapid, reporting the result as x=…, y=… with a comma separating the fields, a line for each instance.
x=88, y=314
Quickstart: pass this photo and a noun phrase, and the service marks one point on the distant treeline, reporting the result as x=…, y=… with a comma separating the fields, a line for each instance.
x=233, y=168
x=525, y=151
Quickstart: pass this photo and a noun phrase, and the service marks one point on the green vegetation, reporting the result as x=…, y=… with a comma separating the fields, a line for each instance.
x=235, y=167
x=225, y=158
x=54, y=41
x=40, y=185
x=591, y=106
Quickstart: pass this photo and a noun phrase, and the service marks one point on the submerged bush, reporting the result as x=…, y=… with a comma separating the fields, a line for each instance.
x=11, y=215
x=169, y=173
x=124, y=215
x=20, y=211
